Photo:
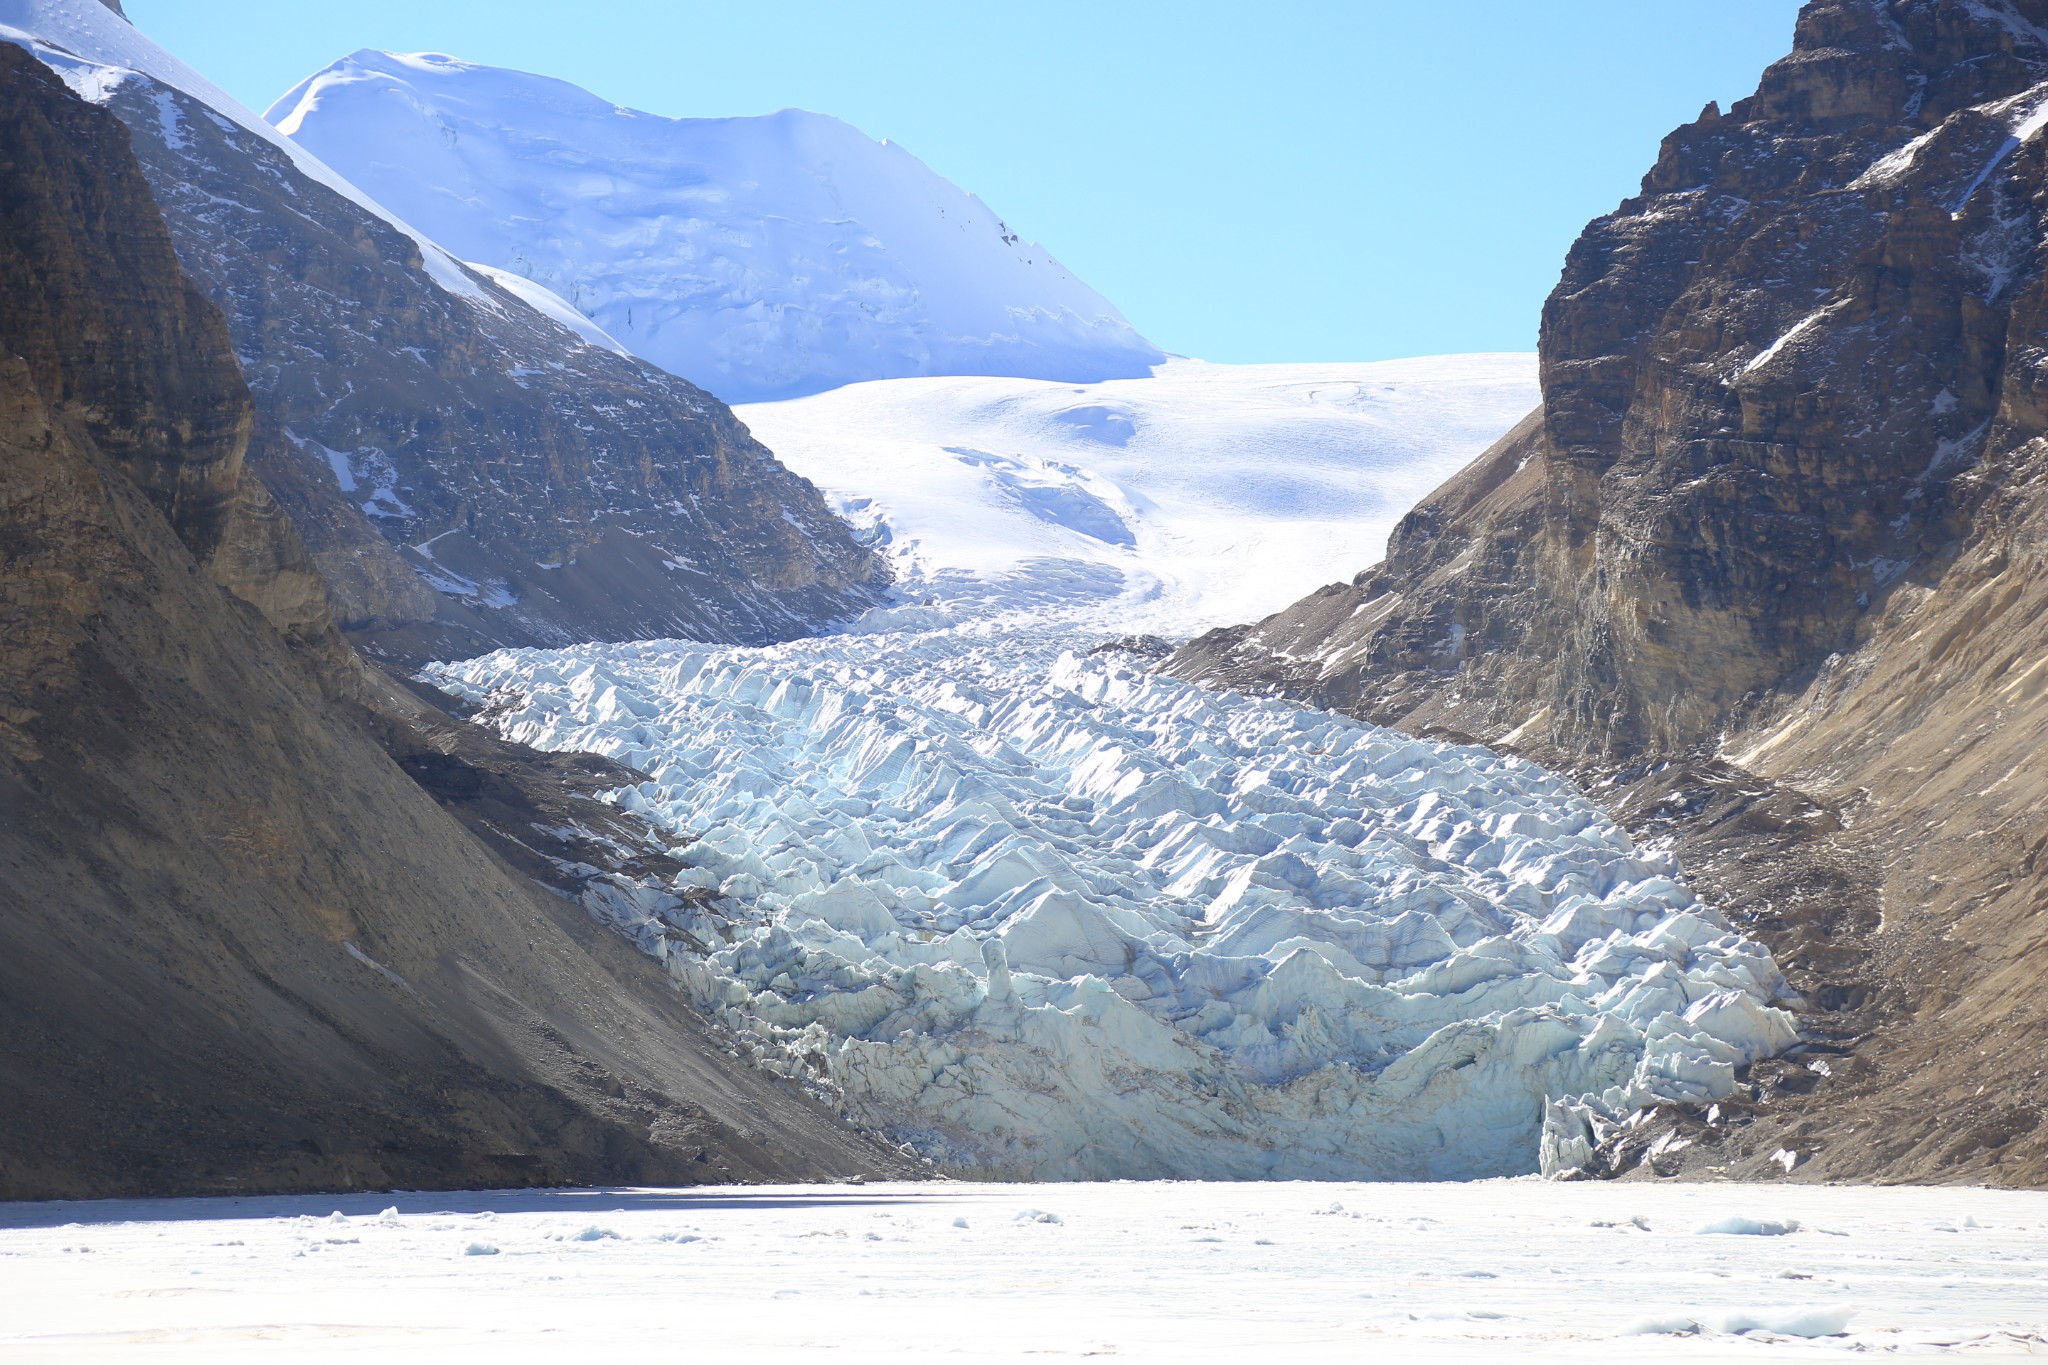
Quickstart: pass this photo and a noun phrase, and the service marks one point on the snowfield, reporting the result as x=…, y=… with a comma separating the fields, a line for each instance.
x=1215, y=493
x=756, y=257
x=1494, y=1271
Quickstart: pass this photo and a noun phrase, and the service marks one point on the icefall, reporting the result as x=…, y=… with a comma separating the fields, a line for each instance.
x=1045, y=915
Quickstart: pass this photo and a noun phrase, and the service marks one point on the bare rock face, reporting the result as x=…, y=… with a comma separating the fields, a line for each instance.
x=167, y=405
x=1742, y=569
x=1761, y=378
x=240, y=949
x=467, y=472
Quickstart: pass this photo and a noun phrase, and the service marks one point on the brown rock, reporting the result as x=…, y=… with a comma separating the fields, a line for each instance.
x=465, y=472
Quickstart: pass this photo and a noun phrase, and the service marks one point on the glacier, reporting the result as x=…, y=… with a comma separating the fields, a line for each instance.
x=757, y=257
x=1038, y=913
x=1010, y=899
x=1001, y=893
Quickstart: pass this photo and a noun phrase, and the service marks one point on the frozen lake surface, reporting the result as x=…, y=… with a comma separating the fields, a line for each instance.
x=1494, y=1270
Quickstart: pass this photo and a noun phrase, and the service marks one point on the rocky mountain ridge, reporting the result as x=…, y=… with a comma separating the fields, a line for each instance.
x=1763, y=570
x=241, y=949
x=468, y=462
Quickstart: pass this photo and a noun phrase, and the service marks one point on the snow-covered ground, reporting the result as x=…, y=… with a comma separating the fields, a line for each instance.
x=1215, y=493
x=778, y=254
x=1495, y=1271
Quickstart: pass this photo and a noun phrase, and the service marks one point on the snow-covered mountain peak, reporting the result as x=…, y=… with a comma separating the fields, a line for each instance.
x=761, y=256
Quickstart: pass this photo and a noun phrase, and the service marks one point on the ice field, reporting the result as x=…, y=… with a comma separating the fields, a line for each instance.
x=1493, y=1271
x=1215, y=493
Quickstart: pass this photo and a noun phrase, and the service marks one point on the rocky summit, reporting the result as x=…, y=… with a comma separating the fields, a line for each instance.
x=1765, y=570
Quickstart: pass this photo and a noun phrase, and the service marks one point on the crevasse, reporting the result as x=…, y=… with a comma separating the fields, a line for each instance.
x=1041, y=914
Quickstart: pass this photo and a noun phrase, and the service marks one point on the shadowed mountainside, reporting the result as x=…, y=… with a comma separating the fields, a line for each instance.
x=240, y=948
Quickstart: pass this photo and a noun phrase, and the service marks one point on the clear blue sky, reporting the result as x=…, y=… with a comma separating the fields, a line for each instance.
x=1293, y=180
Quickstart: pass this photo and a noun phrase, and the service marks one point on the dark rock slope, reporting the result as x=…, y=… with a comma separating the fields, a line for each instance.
x=466, y=470
x=1766, y=570
x=239, y=947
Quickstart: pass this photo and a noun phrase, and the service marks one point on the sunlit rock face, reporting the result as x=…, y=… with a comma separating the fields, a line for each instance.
x=1039, y=913
x=1774, y=381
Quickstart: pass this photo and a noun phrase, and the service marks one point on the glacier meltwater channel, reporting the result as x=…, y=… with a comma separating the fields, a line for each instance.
x=1038, y=913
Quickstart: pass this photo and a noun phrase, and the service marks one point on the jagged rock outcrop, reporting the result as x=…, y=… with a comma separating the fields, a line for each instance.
x=469, y=466
x=240, y=949
x=1763, y=568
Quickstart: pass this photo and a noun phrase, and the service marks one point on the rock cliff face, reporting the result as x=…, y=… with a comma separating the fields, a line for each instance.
x=1763, y=567
x=166, y=403
x=469, y=463
x=240, y=949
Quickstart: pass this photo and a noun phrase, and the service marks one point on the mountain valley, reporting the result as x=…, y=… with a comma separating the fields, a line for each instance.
x=443, y=744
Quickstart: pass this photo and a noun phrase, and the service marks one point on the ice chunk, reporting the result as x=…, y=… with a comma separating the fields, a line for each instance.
x=1783, y=1322
x=1749, y=1227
